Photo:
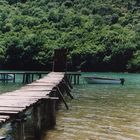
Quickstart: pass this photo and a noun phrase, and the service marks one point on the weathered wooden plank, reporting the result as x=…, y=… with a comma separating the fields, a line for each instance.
x=48, y=87
x=10, y=109
x=17, y=104
x=1, y=120
x=48, y=79
x=18, y=98
x=22, y=91
x=12, y=101
x=51, y=79
x=8, y=112
x=47, y=82
x=54, y=74
x=28, y=97
x=58, y=73
x=4, y=117
x=23, y=97
x=42, y=84
x=36, y=88
x=28, y=94
x=14, y=106
x=31, y=97
x=2, y=138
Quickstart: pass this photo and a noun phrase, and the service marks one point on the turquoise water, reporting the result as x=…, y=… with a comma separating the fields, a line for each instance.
x=10, y=86
x=6, y=87
x=98, y=112
x=101, y=112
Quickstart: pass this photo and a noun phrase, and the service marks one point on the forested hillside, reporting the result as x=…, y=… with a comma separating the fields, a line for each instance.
x=100, y=35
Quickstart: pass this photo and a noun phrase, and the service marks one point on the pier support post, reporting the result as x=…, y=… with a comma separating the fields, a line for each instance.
x=32, y=77
x=36, y=121
x=43, y=115
x=39, y=76
x=23, y=80
x=14, y=78
x=74, y=79
x=26, y=78
x=20, y=130
x=49, y=113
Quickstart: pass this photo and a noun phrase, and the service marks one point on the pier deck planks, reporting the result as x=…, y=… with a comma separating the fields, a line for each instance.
x=15, y=102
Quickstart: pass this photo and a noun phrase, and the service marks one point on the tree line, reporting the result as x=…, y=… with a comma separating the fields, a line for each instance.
x=100, y=35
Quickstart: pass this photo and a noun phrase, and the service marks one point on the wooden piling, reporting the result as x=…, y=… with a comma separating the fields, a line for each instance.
x=14, y=78
x=23, y=79
x=35, y=121
x=50, y=113
x=32, y=77
x=39, y=75
x=20, y=131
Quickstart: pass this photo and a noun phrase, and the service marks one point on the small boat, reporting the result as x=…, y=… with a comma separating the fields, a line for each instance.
x=102, y=80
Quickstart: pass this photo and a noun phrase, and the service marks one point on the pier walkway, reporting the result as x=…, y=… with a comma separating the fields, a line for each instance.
x=40, y=95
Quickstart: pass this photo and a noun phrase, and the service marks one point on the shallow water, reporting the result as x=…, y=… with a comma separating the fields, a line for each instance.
x=6, y=87
x=101, y=112
x=10, y=86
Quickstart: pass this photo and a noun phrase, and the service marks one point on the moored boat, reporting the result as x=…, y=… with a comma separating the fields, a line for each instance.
x=102, y=80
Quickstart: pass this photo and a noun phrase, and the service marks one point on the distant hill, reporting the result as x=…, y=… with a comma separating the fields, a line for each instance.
x=100, y=35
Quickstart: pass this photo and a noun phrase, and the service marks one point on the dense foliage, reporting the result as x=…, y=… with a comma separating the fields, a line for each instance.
x=100, y=35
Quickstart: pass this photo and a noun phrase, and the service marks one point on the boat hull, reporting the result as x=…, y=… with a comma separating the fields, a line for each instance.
x=92, y=80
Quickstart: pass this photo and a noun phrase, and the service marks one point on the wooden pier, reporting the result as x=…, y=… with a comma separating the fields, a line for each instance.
x=41, y=96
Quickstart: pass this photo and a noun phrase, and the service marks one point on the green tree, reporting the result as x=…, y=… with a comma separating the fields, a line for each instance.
x=134, y=63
